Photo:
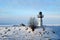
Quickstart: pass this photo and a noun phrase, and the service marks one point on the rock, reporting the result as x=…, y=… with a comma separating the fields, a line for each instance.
x=9, y=30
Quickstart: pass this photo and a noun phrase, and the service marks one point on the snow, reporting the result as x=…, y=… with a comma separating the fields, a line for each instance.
x=26, y=33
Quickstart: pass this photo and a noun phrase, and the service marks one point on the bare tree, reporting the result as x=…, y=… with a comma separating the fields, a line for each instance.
x=33, y=23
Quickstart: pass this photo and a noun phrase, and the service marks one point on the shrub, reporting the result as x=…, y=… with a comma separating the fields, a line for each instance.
x=33, y=23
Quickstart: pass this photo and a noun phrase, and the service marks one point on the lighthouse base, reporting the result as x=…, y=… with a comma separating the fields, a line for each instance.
x=42, y=27
x=40, y=22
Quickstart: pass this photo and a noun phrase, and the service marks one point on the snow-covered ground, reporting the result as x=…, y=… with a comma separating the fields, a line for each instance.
x=26, y=33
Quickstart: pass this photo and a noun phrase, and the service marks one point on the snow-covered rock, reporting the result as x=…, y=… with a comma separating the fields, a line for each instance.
x=26, y=33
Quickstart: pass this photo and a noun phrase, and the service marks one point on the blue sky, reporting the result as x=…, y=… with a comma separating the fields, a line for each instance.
x=14, y=11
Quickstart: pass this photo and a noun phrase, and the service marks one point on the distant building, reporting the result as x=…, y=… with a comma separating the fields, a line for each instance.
x=40, y=16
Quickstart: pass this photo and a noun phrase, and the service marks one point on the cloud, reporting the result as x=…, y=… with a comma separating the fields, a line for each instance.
x=53, y=16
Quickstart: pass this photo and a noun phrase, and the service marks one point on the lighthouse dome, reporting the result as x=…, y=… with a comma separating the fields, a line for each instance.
x=40, y=15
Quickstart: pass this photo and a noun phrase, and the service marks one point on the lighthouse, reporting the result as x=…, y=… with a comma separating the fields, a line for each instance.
x=40, y=16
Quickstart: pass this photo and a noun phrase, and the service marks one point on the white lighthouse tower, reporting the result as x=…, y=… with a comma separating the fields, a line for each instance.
x=40, y=16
